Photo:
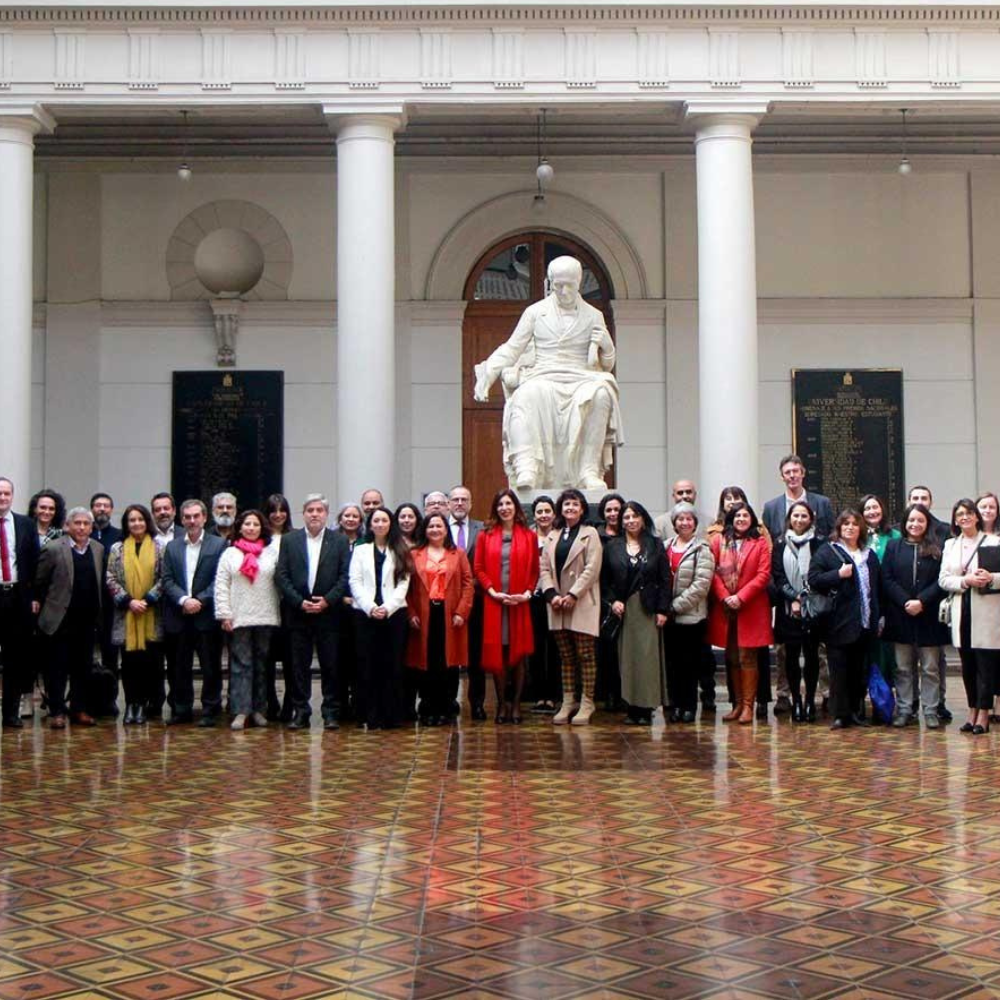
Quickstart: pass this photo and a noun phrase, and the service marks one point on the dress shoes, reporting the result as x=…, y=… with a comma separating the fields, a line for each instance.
x=129, y=717
x=83, y=719
x=181, y=718
x=331, y=724
x=966, y=727
x=297, y=722
x=809, y=715
x=858, y=719
x=208, y=722
x=687, y=716
x=943, y=714
x=762, y=711
x=980, y=730
x=675, y=714
x=840, y=724
x=478, y=713
x=57, y=722
x=13, y=723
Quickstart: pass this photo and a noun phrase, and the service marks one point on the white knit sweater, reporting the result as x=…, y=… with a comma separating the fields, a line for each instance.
x=244, y=602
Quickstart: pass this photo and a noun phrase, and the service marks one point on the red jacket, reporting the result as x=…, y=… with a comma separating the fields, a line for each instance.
x=523, y=578
x=753, y=620
x=457, y=601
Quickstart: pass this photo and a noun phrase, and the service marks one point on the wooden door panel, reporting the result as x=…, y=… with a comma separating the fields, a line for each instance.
x=482, y=456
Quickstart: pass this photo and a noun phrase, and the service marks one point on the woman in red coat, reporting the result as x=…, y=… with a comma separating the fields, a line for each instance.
x=439, y=602
x=507, y=570
x=739, y=620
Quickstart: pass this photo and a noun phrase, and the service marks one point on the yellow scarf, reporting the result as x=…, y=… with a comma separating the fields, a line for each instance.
x=140, y=574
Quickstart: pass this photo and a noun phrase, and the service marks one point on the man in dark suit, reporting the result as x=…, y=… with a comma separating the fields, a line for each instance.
x=18, y=562
x=69, y=587
x=465, y=533
x=793, y=472
x=189, y=565
x=102, y=506
x=163, y=507
x=312, y=578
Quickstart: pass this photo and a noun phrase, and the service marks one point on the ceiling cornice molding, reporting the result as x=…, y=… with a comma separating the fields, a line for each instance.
x=255, y=15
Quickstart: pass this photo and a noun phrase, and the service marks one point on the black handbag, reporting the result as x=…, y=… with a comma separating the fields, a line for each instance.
x=610, y=627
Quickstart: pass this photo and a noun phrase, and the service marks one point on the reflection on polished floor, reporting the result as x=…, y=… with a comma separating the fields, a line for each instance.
x=485, y=861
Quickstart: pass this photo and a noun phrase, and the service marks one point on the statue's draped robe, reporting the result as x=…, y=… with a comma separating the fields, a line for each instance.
x=550, y=391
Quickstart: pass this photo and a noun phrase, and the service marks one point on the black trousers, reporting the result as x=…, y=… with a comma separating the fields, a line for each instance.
x=207, y=644
x=808, y=648
x=141, y=670
x=70, y=657
x=324, y=640
x=439, y=683
x=349, y=695
x=544, y=680
x=15, y=636
x=980, y=668
x=706, y=674
x=477, y=677
x=684, y=648
x=381, y=644
x=847, y=676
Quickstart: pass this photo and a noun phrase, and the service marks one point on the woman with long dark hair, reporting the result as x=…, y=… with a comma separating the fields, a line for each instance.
x=793, y=627
x=278, y=514
x=408, y=519
x=847, y=569
x=439, y=602
x=570, y=578
x=740, y=615
x=543, y=667
x=911, y=566
x=506, y=565
x=135, y=582
x=380, y=579
x=608, y=684
x=975, y=613
x=635, y=575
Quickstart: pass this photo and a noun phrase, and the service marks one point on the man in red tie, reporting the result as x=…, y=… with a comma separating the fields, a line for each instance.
x=18, y=561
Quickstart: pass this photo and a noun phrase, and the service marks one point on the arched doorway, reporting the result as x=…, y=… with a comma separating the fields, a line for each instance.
x=505, y=280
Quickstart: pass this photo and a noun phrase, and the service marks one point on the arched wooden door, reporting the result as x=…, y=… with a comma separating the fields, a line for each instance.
x=503, y=283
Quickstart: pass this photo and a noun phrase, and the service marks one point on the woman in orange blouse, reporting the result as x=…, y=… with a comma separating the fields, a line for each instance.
x=439, y=600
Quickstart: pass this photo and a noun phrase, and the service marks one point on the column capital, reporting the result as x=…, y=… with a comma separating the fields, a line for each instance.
x=22, y=122
x=381, y=114
x=742, y=114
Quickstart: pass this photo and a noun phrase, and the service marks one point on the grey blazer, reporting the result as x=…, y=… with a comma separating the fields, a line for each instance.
x=54, y=581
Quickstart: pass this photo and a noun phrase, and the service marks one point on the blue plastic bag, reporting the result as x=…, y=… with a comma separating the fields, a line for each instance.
x=883, y=700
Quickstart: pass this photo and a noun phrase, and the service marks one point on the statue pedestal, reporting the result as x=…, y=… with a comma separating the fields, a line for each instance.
x=528, y=497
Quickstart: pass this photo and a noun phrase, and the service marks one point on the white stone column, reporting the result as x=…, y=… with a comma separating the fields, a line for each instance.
x=17, y=134
x=366, y=294
x=727, y=300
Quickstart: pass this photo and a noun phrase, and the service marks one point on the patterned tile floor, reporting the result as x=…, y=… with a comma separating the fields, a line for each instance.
x=497, y=862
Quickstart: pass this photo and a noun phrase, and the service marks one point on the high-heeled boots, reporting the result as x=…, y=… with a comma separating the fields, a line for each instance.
x=733, y=714
x=750, y=674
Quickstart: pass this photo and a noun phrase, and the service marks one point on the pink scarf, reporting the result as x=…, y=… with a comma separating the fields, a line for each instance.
x=250, y=550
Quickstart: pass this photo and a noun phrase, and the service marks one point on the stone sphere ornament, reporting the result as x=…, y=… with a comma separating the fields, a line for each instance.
x=229, y=262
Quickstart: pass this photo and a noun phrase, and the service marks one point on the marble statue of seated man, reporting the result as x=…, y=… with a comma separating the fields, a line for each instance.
x=561, y=416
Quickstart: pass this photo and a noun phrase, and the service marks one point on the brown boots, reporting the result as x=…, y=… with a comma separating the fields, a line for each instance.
x=745, y=688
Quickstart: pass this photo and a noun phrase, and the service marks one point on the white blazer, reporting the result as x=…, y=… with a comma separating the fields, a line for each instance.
x=985, y=630
x=362, y=577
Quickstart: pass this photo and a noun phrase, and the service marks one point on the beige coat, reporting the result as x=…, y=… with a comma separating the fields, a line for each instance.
x=580, y=577
x=985, y=608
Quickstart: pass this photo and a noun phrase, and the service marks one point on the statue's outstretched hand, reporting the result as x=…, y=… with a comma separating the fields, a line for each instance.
x=481, y=392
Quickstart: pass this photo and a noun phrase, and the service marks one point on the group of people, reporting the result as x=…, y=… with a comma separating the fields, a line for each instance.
x=393, y=604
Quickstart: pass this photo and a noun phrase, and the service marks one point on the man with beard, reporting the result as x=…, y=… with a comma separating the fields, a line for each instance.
x=105, y=689
x=223, y=515
x=164, y=511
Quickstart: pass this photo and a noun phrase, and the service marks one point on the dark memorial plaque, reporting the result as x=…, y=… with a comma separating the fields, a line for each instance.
x=228, y=434
x=848, y=429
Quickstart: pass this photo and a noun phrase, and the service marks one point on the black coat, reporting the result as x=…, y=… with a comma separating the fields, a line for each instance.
x=292, y=577
x=787, y=628
x=899, y=586
x=652, y=581
x=26, y=550
x=844, y=624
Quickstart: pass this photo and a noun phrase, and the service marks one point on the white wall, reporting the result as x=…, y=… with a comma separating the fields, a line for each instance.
x=857, y=267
